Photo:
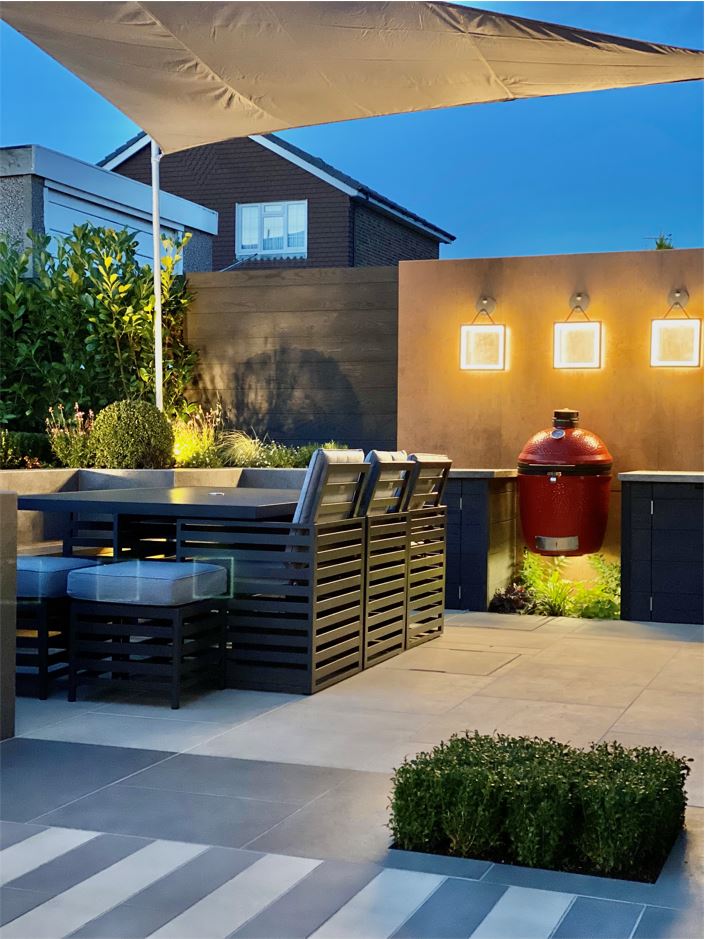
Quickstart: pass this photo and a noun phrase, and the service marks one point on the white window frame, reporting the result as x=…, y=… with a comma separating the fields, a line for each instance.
x=242, y=253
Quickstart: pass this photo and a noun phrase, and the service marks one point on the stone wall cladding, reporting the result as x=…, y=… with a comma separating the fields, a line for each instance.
x=379, y=240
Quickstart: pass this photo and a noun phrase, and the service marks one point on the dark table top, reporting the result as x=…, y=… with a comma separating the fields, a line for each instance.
x=181, y=502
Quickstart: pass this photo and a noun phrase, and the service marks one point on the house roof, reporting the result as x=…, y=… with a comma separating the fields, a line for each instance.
x=355, y=189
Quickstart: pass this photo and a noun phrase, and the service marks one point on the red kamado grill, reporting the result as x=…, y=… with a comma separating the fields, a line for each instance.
x=564, y=478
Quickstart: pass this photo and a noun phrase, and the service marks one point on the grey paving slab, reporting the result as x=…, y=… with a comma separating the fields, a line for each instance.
x=349, y=823
x=598, y=919
x=681, y=632
x=662, y=923
x=453, y=911
x=436, y=864
x=175, y=816
x=254, y=779
x=309, y=904
x=14, y=832
x=497, y=621
x=14, y=902
x=39, y=775
x=159, y=903
x=76, y=865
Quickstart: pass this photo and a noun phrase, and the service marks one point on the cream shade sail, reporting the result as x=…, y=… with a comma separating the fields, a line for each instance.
x=191, y=73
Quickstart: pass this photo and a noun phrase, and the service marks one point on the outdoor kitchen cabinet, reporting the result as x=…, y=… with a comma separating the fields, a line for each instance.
x=481, y=535
x=662, y=547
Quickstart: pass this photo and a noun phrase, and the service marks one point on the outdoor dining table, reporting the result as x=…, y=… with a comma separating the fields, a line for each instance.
x=168, y=505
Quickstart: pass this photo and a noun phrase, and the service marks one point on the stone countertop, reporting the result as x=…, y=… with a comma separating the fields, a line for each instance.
x=662, y=476
x=463, y=473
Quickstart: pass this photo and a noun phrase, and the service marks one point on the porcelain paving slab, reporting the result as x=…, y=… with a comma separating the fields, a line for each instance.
x=144, y=732
x=41, y=848
x=599, y=919
x=41, y=775
x=67, y=912
x=664, y=712
x=223, y=910
x=624, y=629
x=303, y=909
x=381, y=907
x=462, y=662
x=685, y=672
x=179, y=816
x=217, y=776
x=70, y=868
x=646, y=658
x=14, y=832
x=571, y=684
x=222, y=707
x=578, y=724
x=159, y=903
x=534, y=916
x=455, y=909
x=661, y=923
x=349, y=821
x=15, y=903
x=497, y=621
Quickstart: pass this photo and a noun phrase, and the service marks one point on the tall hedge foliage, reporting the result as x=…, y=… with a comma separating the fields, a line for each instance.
x=76, y=324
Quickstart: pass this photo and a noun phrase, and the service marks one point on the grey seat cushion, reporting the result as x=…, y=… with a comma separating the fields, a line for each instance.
x=152, y=583
x=316, y=474
x=44, y=576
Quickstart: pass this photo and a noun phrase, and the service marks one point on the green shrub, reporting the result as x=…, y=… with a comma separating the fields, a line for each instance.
x=196, y=439
x=132, y=435
x=551, y=594
x=23, y=450
x=81, y=327
x=70, y=438
x=610, y=810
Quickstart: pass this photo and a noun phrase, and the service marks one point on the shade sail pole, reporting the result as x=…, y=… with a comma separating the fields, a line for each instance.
x=157, y=270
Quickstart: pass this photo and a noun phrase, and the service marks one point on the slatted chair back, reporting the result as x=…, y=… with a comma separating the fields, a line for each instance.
x=428, y=480
x=332, y=488
x=387, y=485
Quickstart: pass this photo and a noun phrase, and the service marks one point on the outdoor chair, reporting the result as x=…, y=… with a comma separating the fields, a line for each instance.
x=42, y=655
x=427, y=547
x=296, y=586
x=154, y=625
x=386, y=555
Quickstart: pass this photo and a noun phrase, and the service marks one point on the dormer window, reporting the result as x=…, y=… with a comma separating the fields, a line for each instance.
x=271, y=230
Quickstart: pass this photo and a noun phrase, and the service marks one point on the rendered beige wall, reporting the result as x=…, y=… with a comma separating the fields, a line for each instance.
x=650, y=418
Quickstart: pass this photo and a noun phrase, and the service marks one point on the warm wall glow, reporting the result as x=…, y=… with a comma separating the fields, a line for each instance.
x=483, y=346
x=577, y=345
x=675, y=343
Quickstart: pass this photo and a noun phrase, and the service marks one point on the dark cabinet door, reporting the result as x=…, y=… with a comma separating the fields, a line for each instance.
x=662, y=552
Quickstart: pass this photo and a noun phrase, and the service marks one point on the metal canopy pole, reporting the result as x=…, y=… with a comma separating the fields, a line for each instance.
x=157, y=269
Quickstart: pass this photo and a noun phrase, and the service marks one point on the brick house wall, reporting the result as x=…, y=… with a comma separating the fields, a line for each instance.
x=381, y=241
x=340, y=232
x=220, y=175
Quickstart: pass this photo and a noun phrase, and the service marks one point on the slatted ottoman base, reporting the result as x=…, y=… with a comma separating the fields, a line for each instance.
x=42, y=644
x=385, y=586
x=427, y=555
x=163, y=649
x=295, y=611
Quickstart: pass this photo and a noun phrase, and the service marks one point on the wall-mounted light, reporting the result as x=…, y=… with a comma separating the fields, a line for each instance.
x=577, y=343
x=676, y=343
x=483, y=345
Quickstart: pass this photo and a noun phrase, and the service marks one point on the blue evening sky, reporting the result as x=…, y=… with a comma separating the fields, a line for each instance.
x=590, y=172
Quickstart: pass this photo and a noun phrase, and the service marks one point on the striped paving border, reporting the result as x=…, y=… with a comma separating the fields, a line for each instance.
x=63, y=882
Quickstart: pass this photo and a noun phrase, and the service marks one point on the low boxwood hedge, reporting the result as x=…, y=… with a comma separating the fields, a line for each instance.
x=609, y=810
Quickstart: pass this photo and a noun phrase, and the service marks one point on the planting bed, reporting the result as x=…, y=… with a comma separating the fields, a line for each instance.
x=609, y=810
